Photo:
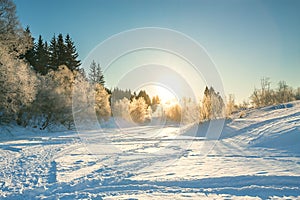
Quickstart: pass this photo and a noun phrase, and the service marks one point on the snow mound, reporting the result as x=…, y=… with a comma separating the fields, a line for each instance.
x=275, y=126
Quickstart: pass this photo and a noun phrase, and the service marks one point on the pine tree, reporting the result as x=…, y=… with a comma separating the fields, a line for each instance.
x=96, y=75
x=100, y=76
x=71, y=54
x=53, y=54
x=146, y=97
x=61, y=50
x=155, y=102
x=133, y=96
x=118, y=94
x=30, y=53
x=41, y=57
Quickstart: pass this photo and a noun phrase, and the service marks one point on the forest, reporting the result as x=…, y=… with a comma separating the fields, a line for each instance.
x=37, y=80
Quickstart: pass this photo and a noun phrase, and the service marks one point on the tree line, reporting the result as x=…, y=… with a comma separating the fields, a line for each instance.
x=43, y=57
x=266, y=95
x=37, y=80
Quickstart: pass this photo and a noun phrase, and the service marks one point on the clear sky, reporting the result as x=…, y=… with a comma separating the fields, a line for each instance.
x=247, y=39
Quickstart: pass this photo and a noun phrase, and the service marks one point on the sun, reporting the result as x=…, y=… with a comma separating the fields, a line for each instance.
x=165, y=94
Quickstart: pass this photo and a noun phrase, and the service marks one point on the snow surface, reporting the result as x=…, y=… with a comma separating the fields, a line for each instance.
x=256, y=157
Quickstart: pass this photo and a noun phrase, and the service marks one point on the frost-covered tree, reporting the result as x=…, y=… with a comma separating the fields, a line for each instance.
x=17, y=90
x=135, y=110
x=83, y=97
x=53, y=102
x=206, y=108
x=213, y=106
x=95, y=74
x=230, y=105
x=155, y=102
x=265, y=95
x=17, y=82
x=297, y=94
x=173, y=113
x=102, y=105
x=138, y=110
x=121, y=108
x=284, y=93
x=14, y=40
x=190, y=111
x=146, y=97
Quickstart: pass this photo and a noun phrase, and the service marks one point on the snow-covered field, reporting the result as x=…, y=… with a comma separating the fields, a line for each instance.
x=256, y=157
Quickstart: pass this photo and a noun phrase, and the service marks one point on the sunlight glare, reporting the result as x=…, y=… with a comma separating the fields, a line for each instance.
x=166, y=95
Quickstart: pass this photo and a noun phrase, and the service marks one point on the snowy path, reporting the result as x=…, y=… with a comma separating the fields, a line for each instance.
x=257, y=158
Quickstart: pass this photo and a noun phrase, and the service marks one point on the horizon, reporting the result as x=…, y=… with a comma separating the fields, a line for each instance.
x=246, y=40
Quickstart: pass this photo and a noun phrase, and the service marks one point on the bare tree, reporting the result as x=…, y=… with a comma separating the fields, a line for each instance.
x=230, y=106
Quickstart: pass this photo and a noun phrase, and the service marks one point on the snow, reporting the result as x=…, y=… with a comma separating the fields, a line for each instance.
x=256, y=157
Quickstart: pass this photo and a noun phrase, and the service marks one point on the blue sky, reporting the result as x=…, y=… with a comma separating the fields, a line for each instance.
x=247, y=39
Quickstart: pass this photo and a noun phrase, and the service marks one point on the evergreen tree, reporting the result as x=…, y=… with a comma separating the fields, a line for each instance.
x=30, y=53
x=61, y=50
x=96, y=75
x=71, y=55
x=118, y=94
x=100, y=76
x=133, y=96
x=41, y=57
x=146, y=97
x=53, y=54
x=155, y=102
